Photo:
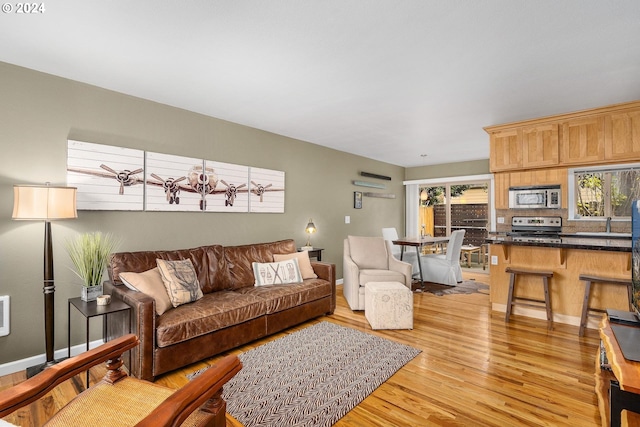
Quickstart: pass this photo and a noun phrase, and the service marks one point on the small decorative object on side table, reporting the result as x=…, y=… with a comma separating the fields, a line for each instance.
x=92, y=309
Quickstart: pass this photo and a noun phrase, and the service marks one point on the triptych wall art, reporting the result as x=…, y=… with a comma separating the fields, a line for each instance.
x=124, y=179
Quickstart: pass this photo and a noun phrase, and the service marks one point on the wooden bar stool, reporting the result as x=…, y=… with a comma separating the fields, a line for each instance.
x=511, y=299
x=588, y=279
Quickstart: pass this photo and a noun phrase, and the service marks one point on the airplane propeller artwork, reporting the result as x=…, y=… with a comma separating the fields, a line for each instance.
x=171, y=188
x=232, y=191
x=124, y=177
x=259, y=189
x=203, y=181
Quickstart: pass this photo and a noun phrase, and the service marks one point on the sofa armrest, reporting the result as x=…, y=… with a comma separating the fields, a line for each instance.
x=327, y=272
x=143, y=324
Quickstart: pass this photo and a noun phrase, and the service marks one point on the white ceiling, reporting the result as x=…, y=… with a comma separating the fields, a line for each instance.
x=386, y=79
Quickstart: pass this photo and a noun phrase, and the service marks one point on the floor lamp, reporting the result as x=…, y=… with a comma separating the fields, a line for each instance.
x=45, y=203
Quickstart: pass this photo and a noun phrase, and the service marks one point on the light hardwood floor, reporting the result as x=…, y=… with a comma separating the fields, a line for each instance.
x=474, y=370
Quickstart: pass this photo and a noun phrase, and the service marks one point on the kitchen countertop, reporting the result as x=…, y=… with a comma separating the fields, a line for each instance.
x=567, y=241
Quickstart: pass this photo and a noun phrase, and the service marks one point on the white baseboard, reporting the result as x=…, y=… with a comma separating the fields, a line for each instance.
x=23, y=364
x=592, y=323
x=339, y=281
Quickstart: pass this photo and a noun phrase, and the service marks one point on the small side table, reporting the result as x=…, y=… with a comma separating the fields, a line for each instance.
x=92, y=309
x=315, y=252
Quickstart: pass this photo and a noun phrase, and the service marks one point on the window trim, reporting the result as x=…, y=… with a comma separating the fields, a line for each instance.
x=571, y=184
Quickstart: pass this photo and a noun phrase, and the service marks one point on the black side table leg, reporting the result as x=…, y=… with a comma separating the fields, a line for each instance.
x=620, y=400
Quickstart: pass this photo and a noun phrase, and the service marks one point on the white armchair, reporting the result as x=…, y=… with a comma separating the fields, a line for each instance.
x=410, y=255
x=444, y=268
x=369, y=259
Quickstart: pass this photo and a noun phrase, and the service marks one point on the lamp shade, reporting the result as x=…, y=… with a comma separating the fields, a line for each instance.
x=44, y=202
x=311, y=228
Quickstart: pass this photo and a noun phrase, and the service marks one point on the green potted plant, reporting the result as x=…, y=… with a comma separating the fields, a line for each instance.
x=89, y=253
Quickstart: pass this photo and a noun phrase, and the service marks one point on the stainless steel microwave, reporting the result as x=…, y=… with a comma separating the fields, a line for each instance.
x=535, y=197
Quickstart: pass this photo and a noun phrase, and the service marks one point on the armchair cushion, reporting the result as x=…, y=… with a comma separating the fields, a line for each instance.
x=369, y=252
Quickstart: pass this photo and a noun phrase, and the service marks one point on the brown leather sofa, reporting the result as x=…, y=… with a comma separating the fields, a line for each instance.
x=232, y=311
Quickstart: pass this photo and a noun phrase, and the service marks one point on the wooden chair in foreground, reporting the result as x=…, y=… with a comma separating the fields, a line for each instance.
x=120, y=400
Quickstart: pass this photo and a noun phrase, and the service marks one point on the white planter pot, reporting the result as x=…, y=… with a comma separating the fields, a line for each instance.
x=91, y=293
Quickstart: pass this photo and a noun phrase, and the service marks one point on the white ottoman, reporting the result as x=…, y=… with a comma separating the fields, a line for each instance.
x=388, y=305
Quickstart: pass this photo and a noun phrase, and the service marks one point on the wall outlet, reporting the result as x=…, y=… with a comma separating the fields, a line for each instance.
x=500, y=220
x=347, y=219
x=494, y=259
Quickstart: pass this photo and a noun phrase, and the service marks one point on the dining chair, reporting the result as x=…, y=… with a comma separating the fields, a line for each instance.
x=390, y=234
x=444, y=268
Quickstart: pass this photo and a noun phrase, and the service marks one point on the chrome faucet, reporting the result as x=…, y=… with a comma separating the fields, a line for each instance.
x=608, y=230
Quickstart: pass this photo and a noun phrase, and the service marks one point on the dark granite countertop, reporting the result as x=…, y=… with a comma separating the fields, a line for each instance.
x=566, y=241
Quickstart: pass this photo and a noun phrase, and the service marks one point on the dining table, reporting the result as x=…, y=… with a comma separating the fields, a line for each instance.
x=418, y=243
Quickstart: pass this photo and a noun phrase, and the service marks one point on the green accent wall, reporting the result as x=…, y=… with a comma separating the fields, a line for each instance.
x=40, y=112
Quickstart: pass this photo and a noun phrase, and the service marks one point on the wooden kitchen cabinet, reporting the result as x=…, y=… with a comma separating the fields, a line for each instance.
x=506, y=150
x=540, y=146
x=604, y=135
x=622, y=135
x=501, y=186
x=582, y=141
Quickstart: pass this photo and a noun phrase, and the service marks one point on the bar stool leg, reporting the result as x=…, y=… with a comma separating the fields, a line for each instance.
x=547, y=302
x=585, y=307
x=510, y=297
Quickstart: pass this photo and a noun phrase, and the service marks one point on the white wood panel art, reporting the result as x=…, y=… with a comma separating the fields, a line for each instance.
x=267, y=190
x=231, y=193
x=172, y=183
x=107, y=177
x=116, y=178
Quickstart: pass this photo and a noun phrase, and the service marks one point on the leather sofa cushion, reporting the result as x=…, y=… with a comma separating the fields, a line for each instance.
x=283, y=297
x=214, y=311
x=239, y=259
x=208, y=261
x=369, y=252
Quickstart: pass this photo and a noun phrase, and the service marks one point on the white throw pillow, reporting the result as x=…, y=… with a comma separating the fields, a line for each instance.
x=303, y=262
x=276, y=273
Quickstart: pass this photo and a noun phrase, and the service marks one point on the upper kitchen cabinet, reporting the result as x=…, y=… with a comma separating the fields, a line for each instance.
x=605, y=135
x=540, y=146
x=622, y=135
x=506, y=150
x=582, y=141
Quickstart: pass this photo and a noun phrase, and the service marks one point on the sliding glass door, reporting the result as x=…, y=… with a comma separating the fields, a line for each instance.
x=437, y=208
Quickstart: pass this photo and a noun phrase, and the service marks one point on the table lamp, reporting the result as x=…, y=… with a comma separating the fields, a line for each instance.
x=310, y=229
x=45, y=203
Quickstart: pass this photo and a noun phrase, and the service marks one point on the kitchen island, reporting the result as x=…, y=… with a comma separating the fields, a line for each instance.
x=567, y=256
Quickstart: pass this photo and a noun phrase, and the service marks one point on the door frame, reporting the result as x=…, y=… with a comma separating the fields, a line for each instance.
x=412, y=197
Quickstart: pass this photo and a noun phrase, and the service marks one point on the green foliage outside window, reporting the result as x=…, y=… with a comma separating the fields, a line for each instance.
x=607, y=193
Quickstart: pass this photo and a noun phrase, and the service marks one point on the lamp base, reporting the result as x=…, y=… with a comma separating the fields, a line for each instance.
x=307, y=248
x=34, y=370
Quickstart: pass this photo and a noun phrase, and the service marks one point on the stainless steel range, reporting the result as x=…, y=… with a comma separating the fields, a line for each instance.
x=545, y=229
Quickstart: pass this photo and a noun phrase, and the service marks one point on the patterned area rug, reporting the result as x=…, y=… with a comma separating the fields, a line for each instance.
x=466, y=287
x=311, y=377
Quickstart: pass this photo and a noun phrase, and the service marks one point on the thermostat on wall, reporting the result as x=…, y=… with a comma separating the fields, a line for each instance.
x=4, y=315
